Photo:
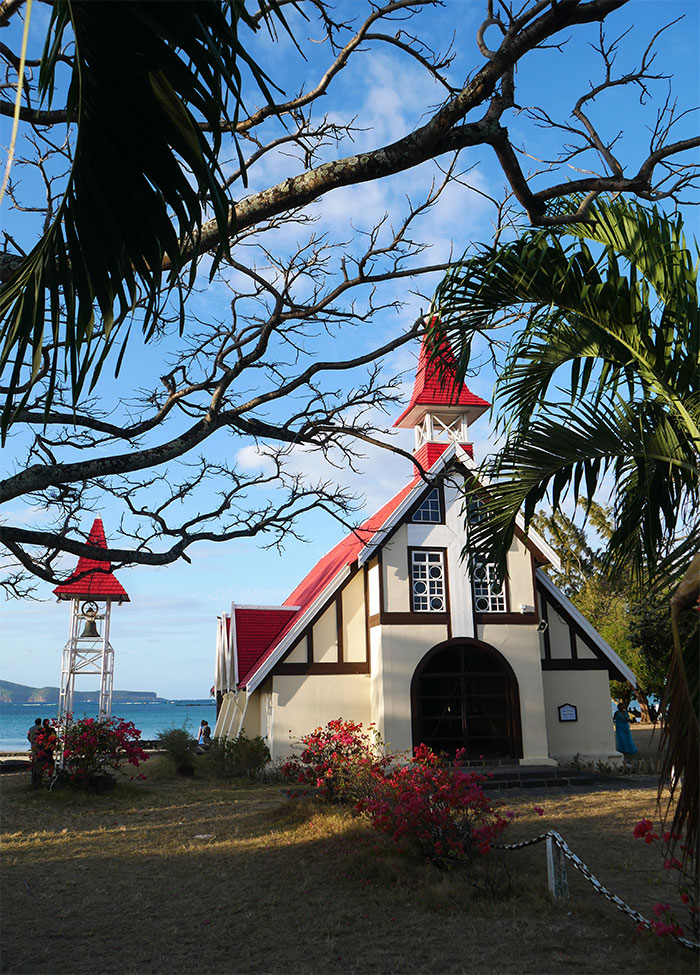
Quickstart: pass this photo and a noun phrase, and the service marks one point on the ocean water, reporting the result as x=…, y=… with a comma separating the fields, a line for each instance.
x=15, y=719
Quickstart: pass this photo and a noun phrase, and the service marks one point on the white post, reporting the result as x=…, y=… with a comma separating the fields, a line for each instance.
x=556, y=871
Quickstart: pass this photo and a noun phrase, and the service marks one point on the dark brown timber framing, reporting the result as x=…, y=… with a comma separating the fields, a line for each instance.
x=573, y=662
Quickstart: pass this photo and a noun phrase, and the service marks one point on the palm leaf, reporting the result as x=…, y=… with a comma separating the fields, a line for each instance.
x=143, y=176
x=600, y=388
x=681, y=729
x=636, y=446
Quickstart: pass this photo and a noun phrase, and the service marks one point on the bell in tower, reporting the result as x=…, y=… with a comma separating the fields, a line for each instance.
x=91, y=590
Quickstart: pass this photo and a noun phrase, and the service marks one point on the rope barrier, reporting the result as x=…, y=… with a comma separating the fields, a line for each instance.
x=582, y=868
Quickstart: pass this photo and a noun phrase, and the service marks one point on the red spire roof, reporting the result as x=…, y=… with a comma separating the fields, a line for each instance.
x=93, y=579
x=436, y=386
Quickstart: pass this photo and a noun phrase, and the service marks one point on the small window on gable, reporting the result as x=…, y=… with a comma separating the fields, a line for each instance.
x=489, y=589
x=475, y=511
x=429, y=510
x=427, y=582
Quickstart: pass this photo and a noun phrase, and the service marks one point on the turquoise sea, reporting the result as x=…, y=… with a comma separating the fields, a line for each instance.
x=15, y=719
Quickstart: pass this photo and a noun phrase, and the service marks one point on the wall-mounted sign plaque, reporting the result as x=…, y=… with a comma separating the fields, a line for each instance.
x=567, y=712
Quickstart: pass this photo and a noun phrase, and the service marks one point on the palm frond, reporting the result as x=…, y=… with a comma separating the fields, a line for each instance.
x=577, y=313
x=680, y=767
x=143, y=175
x=600, y=391
x=651, y=471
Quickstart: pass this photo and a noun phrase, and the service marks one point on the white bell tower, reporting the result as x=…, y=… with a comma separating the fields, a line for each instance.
x=91, y=590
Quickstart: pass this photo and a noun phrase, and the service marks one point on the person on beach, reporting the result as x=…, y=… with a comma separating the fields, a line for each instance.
x=623, y=735
x=202, y=743
x=47, y=745
x=34, y=736
x=207, y=734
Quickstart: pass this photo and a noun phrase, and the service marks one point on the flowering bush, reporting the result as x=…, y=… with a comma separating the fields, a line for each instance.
x=666, y=920
x=341, y=760
x=435, y=808
x=92, y=747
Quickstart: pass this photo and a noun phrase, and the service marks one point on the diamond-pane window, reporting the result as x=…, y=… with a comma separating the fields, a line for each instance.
x=430, y=508
x=489, y=591
x=427, y=582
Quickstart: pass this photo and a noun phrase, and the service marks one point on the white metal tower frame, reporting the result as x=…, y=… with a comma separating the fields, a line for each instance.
x=86, y=655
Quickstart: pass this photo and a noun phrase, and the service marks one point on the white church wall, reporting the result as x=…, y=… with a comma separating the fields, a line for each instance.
x=583, y=652
x=305, y=702
x=325, y=637
x=395, y=569
x=559, y=640
x=376, y=679
x=521, y=648
x=520, y=580
x=401, y=650
x=592, y=735
x=373, y=588
x=354, y=632
x=298, y=654
x=461, y=607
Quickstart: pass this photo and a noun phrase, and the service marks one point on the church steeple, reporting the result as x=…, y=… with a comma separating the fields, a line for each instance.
x=440, y=411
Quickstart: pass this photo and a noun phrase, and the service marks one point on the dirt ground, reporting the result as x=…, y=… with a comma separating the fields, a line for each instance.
x=212, y=877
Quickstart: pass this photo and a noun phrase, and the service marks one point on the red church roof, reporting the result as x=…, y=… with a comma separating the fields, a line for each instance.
x=436, y=387
x=263, y=624
x=257, y=628
x=93, y=579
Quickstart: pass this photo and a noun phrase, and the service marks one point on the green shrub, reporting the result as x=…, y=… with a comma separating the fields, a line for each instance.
x=179, y=746
x=238, y=756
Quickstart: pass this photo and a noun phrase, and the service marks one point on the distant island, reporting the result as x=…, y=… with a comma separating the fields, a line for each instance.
x=24, y=694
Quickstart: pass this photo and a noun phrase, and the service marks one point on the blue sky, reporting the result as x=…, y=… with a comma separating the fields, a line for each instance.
x=165, y=637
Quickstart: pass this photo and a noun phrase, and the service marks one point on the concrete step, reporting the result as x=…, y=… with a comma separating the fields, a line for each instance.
x=531, y=777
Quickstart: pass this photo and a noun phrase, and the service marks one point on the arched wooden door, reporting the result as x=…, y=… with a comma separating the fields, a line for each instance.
x=464, y=694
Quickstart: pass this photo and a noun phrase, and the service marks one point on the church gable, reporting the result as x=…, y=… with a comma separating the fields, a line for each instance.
x=334, y=641
x=569, y=642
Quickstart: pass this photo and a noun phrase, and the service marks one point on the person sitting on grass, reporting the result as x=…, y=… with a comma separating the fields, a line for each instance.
x=48, y=742
x=202, y=742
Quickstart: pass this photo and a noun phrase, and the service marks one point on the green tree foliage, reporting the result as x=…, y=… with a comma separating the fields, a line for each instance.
x=601, y=391
x=638, y=630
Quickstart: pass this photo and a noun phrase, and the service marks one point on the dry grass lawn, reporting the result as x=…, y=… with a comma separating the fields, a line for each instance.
x=202, y=876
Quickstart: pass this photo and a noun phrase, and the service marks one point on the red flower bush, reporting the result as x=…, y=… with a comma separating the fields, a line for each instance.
x=645, y=830
x=92, y=747
x=341, y=760
x=666, y=922
x=438, y=810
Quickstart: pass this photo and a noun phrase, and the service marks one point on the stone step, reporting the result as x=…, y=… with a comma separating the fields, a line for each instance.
x=530, y=777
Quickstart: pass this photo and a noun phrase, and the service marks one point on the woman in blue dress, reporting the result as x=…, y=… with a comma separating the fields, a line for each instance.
x=623, y=735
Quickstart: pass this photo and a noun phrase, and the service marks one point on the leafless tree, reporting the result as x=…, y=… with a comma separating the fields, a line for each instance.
x=166, y=453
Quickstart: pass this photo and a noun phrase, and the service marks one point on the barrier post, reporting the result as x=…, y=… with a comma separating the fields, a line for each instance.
x=556, y=871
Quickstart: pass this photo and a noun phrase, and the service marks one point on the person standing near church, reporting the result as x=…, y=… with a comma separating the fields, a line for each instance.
x=623, y=735
x=34, y=736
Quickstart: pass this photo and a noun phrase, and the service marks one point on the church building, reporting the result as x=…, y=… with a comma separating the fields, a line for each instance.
x=389, y=628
